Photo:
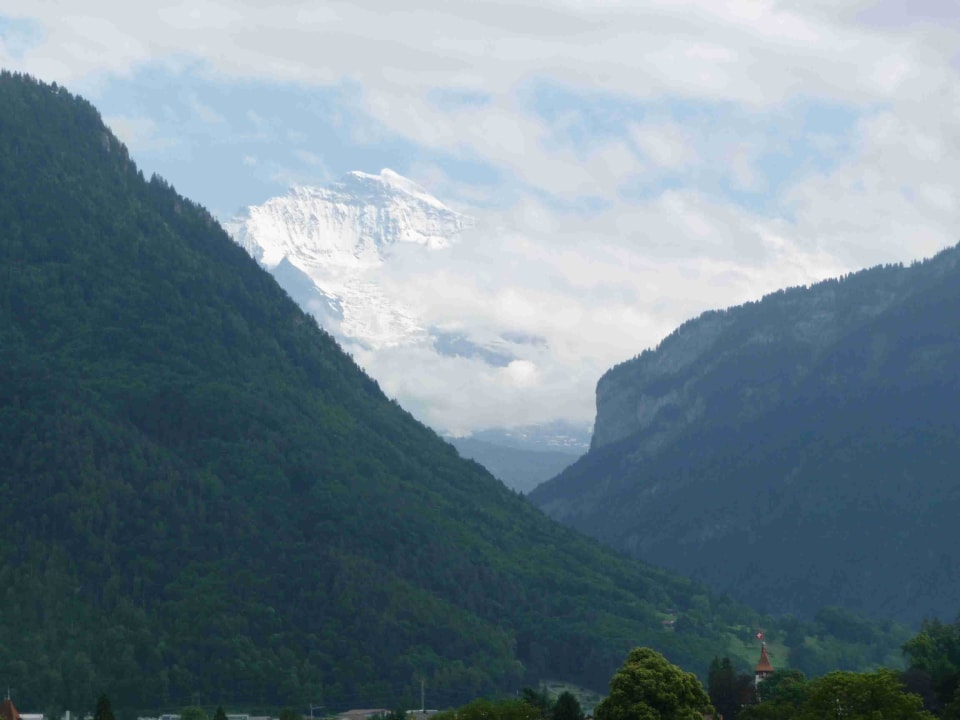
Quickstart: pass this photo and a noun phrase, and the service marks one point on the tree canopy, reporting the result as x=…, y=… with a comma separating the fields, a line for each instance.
x=192, y=712
x=862, y=696
x=728, y=689
x=648, y=687
x=877, y=695
x=485, y=709
x=934, y=665
x=566, y=707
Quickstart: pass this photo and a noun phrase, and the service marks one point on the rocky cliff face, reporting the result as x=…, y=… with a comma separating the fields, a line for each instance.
x=795, y=452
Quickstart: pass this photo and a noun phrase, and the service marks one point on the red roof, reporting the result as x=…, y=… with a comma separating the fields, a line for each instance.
x=764, y=664
x=8, y=711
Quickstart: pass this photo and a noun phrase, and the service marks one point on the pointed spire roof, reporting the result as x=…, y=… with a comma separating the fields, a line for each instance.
x=7, y=709
x=764, y=665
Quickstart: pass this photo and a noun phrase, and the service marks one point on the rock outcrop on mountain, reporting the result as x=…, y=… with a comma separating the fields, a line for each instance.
x=797, y=452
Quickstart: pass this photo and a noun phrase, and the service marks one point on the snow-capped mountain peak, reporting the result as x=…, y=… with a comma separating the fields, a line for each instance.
x=391, y=181
x=349, y=224
x=334, y=238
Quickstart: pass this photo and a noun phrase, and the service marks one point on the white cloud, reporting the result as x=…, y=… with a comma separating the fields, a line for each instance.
x=749, y=52
x=895, y=199
x=664, y=144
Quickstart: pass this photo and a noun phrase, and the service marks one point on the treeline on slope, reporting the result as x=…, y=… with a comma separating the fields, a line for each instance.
x=829, y=503
x=204, y=500
x=813, y=476
x=858, y=291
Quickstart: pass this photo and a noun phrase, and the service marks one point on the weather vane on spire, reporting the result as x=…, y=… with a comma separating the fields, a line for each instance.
x=764, y=669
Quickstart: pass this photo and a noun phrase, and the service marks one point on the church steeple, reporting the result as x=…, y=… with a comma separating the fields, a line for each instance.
x=7, y=709
x=764, y=668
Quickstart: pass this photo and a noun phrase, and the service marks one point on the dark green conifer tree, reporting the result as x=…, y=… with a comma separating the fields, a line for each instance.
x=103, y=711
x=567, y=707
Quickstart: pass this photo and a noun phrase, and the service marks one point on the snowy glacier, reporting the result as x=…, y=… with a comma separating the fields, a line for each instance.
x=338, y=237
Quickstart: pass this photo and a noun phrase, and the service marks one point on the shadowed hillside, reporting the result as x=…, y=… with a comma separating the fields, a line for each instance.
x=796, y=452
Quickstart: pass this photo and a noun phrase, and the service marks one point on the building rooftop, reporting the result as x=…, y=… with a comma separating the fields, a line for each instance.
x=8, y=711
x=764, y=664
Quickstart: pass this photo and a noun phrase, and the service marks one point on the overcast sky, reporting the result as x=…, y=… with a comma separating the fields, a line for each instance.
x=633, y=163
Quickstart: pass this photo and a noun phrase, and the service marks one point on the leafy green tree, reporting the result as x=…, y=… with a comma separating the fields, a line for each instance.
x=863, y=696
x=538, y=699
x=490, y=710
x=193, y=713
x=878, y=695
x=768, y=711
x=921, y=683
x=952, y=709
x=935, y=651
x=788, y=685
x=648, y=687
x=221, y=714
x=781, y=697
x=567, y=707
x=103, y=711
x=290, y=714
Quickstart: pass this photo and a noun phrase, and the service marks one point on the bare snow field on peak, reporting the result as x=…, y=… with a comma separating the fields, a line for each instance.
x=328, y=247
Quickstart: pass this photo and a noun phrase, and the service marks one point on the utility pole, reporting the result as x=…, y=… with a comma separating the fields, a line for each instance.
x=423, y=696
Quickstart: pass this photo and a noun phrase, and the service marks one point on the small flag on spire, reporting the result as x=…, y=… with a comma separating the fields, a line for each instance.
x=760, y=635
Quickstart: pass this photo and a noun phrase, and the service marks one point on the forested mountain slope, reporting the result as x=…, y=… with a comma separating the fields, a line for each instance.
x=203, y=500
x=796, y=452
